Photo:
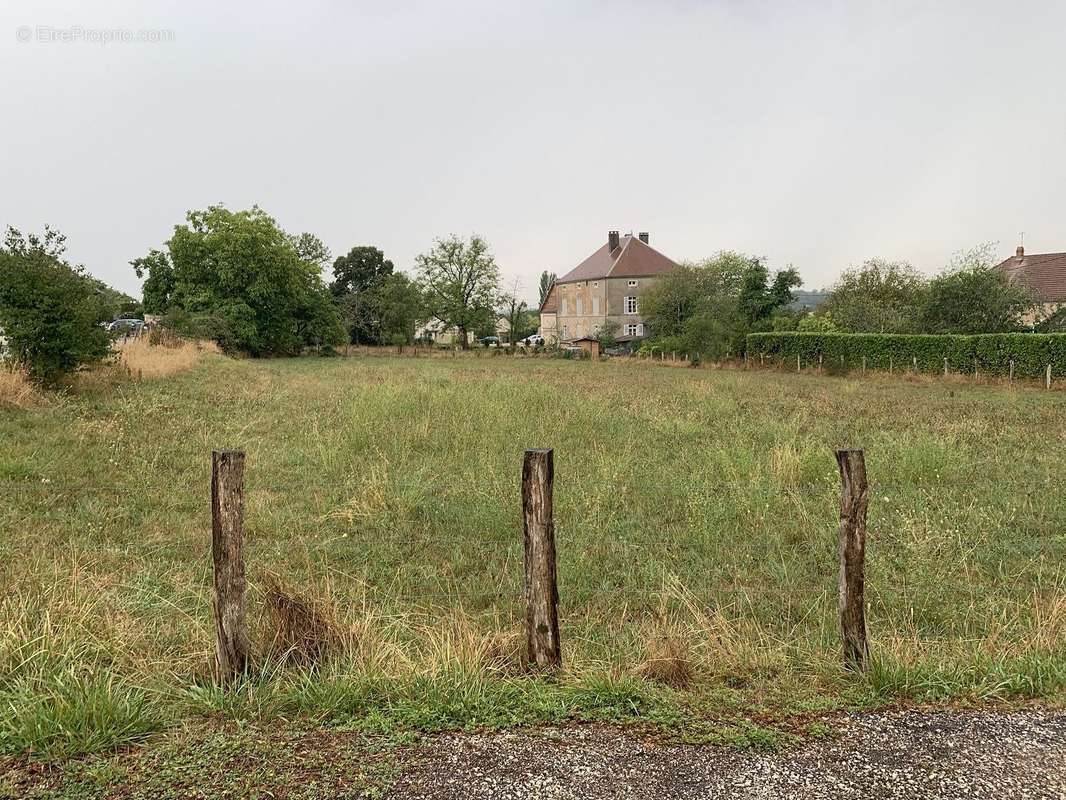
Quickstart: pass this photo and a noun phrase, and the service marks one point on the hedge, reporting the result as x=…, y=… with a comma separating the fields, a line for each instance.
x=991, y=352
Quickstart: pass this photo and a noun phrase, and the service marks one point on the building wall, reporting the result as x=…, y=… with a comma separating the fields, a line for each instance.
x=549, y=327
x=586, y=306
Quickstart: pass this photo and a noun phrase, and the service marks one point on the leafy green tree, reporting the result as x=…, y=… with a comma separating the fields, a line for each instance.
x=355, y=277
x=461, y=283
x=607, y=334
x=546, y=281
x=240, y=269
x=158, y=275
x=760, y=296
x=50, y=312
x=358, y=270
x=396, y=304
x=709, y=307
x=878, y=297
x=971, y=296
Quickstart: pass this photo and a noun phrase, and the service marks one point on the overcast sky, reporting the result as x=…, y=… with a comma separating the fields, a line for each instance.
x=816, y=134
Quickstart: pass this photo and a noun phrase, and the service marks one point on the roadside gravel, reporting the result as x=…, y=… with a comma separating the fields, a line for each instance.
x=909, y=754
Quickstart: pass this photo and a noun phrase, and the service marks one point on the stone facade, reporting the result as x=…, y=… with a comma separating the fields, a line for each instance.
x=586, y=306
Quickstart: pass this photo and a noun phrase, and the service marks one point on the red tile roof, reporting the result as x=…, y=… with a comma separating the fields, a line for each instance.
x=631, y=259
x=1044, y=273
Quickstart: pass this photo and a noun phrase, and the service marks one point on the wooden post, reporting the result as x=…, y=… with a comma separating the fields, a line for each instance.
x=945, y=367
x=914, y=361
x=819, y=362
x=1010, y=378
x=975, y=367
x=227, y=550
x=1048, y=376
x=541, y=590
x=798, y=368
x=864, y=365
x=854, y=500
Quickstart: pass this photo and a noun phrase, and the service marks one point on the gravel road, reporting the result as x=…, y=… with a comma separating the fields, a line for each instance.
x=909, y=754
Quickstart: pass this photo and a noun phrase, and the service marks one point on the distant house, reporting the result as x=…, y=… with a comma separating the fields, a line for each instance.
x=606, y=286
x=1044, y=274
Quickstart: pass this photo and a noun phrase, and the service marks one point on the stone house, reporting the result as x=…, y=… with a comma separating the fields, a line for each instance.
x=605, y=287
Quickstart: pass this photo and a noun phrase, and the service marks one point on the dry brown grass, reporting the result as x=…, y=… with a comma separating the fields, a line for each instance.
x=16, y=388
x=302, y=627
x=148, y=359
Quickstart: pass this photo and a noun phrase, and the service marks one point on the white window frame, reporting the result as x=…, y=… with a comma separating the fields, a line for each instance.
x=631, y=283
x=629, y=305
x=632, y=328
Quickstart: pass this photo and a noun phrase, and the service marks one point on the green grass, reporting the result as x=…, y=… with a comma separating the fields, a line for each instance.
x=696, y=518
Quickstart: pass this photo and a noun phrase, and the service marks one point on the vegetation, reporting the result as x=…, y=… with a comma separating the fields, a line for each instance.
x=547, y=279
x=988, y=353
x=878, y=297
x=709, y=307
x=261, y=288
x=51, y=313
x=705, y=594
x=969, y=296
x=377, y=304
x=461, y=285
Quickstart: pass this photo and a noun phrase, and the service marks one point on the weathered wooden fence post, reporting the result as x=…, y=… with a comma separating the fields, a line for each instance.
x=541, y=590
x=227, y=551
x=798, y=368
x=864, y=365
x=1048, y=376
x=945, y=367
x=1010, y=378
x=854, y=500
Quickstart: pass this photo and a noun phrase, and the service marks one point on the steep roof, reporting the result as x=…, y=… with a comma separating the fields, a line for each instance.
x=1044, y=273
x=631, y=259
x=551, y=300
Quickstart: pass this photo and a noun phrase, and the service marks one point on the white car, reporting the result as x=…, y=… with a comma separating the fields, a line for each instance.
x=532, y=341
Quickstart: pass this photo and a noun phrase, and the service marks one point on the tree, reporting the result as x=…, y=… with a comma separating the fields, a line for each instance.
x=546, y=281
x=460, y=282
x=311, y=249
x=817, y=323
x=878, y=297
x=696, y=308
x=514, y=310
x=355, y=276
x=50, y=312
x=971, y=296
x=607, y=334
x=158, y=275
x=759, y=297
x=395, y=303
x=261, y=287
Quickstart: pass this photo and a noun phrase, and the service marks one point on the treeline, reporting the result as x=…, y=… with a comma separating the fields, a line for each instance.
x=712, y=306
x=238, y=278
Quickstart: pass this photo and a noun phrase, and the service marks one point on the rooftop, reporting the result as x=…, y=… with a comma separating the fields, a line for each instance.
x=1044, y=273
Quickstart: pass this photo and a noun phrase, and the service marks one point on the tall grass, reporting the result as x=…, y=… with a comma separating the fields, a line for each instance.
x=696, y=513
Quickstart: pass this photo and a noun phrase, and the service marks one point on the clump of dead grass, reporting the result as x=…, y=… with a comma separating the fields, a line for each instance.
x=16, y=389
x=302, y=627
x=458, y=643
x=160, y=357
x=685, y=643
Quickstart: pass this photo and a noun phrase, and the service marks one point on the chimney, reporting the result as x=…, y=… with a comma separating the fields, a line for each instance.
x=643, y=236
x=1020, y=252
x=612, y=241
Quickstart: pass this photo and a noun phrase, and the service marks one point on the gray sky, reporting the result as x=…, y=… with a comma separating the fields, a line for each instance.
x=817, y=134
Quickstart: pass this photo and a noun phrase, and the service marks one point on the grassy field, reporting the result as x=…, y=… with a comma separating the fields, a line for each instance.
x=696, y=514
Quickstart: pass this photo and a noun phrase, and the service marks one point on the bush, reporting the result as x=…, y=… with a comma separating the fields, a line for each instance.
x=51, y=313
x=992, y=353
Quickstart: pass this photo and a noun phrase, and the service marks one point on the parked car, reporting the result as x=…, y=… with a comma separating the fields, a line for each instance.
x=535, y=340
x=489, y=341
x=122, y=327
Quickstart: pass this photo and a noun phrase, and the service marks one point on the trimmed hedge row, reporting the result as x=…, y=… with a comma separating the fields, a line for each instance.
x=991, y=352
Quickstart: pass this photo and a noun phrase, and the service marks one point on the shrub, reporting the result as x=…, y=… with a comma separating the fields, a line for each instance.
x=50, y=311
x=992, y=353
